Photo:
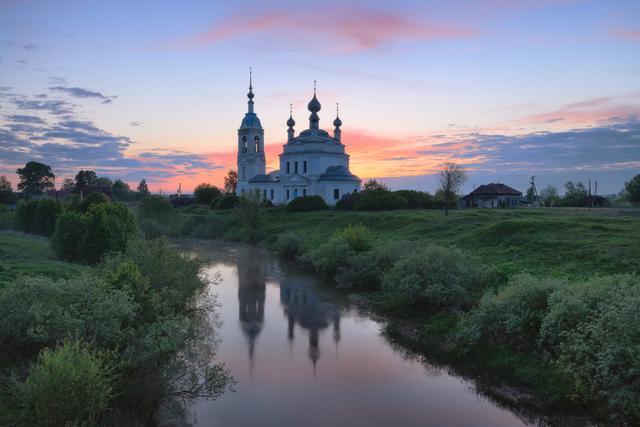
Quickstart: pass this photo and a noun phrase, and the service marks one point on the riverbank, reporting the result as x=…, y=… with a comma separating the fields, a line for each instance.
x=566, y=246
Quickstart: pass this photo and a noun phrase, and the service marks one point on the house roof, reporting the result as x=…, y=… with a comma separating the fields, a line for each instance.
x=338, y=173
x=495, y=189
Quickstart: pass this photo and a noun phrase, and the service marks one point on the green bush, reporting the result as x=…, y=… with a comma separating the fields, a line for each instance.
x=7, y=218
x=434, y=277
x=593, y=329
x=94, y=198
x=347, y=201
x=38, y=312
x=339, y=249
x=204, y=194
x=379, y=200
x=38, y=216
x=209, y=226
x=227, y=201
x=155, y=207
x=71, y=385
x=415, y=199
x=105, y=227
x=289, y=245
x=306, y=204
x=513, y=316
x=151, y=229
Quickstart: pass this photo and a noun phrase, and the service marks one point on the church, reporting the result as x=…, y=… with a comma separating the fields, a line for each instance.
x=312, y=163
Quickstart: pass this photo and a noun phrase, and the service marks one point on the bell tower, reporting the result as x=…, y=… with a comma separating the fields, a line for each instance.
x=251, y=160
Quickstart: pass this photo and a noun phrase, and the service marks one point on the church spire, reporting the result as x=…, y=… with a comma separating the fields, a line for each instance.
x=314, y=106
x=337, y=123
x=250, y=95
x=290, y=123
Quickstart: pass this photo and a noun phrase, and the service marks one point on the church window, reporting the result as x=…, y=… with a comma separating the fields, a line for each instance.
x=304, y=166
x=272, y=194
x=244, y=173
x=295, y=167
x=287, y=194
x=264, y=194
x=288, y=169
x=304, y=191
x=257, y=143
x=336, y=194
x=295, y=193
x=244, y=144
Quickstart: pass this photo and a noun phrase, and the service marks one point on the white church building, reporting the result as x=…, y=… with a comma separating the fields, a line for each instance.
x=312, y=163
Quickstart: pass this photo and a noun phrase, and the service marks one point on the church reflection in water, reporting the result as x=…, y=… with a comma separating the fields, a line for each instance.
x=302, y=306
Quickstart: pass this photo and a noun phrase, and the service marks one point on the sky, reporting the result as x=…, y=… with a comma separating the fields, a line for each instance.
x=157, y=89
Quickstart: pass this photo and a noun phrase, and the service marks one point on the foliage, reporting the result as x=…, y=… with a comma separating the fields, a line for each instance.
x=38, y=312
x=306, y=204
x=68, y=184
x=204, y=194
x=512, y=316
x=155, y=207
x=340, y=249
x=105, y=227
x=347, y=201
x=38, y=216
x=85, y=179
x=157, y=217
x=142, y=190
x=5, y=184
x=289, y=245
x=181, y=200
x=374, y=185
x=415, y=199
x=70, y=385
x=94, y=198
x=227, y=201
x=7, y=218
x=35, y=178
x=379, y=200
x=575, y=194
x=434, y=277
x=632, y=189
x=452, y=176
x=7, y=196
x=550, y=196
x=121, y=191
x=210, y=226
x=593, y=329
x=231, y=182
x=249, y=212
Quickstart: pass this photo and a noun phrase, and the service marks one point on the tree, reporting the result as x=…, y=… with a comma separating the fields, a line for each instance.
x=531, y=196
x=103, y=181
x=452, y=176
x=231, y=182
x=632, y=189
x=5, y=184
x=143, y=190
x=68, y=185
x=121, y=190
x=206, y=193
x=6, y=192
x=373, y=185
x=35, y=178
x=550, y=196
x=84, y=179
x=575, y=194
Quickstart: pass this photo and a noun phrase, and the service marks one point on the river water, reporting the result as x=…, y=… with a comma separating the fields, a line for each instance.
x=302, y=355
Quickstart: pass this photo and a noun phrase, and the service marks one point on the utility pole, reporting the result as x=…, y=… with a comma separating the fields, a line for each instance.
x=590, y=198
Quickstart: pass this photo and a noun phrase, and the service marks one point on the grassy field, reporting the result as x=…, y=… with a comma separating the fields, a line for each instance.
x=565, y=242
x=30, y=255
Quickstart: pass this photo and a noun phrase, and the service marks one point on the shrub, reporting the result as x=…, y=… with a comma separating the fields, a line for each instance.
x=289, y=245
x=94, y=198
x=209, y=226
x=306, y=204
x=365, y=270
x=155, y=207
x=38, y=312
x=377, y=200
x=67, y=240
x=513, y=316
x=415, y=199
x=151, y=229
x=433, y=277
x=181, y=201
x=357, y=236
x=38, y=216
x=227, y=201
x=204, y=194
x=7, y=218
x=347, y=201
x=339, y=250
x=71, y=385
x=593, y=329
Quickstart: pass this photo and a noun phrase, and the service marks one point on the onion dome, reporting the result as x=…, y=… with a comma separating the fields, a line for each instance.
x=314, y=105
x=291, y=123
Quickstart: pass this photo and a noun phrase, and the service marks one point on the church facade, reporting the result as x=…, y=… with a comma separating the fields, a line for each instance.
x=311, y=163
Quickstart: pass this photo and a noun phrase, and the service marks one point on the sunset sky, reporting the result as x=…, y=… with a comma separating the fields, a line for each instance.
x=157, y=89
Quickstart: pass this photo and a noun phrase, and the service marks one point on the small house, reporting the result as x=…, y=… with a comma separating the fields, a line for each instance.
x=491, y=196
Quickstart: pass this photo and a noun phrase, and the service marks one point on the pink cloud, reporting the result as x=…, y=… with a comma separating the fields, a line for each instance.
x=631, y=35
x=348, y=29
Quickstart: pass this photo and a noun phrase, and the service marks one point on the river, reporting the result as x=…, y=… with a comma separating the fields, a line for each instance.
x=302, y=355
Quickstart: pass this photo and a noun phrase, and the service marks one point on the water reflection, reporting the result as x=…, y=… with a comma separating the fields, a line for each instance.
x=302, y=355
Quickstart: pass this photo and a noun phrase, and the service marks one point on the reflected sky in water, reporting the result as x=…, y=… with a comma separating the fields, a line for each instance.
x=303, y=356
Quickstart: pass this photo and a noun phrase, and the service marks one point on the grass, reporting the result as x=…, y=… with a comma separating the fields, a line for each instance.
x=574, y=243
x=29, y=255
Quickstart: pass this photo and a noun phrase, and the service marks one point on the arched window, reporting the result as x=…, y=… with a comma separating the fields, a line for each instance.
x=256, y=140
x=244, y=144
x=336, y=194
x=295, y=193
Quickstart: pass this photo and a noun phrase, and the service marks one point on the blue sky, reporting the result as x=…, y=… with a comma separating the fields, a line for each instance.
x=157, y=89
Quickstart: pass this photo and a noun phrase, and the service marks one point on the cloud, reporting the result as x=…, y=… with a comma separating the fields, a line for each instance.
x=77, y=92
x=29, y=46
x=20, y=118
x=349, y=29
x=56, y=107
x=630, y=35
x=135, y=123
